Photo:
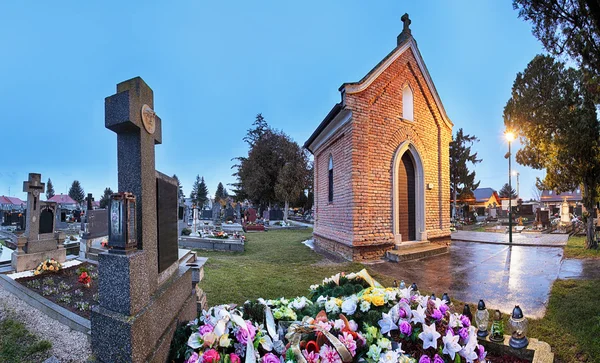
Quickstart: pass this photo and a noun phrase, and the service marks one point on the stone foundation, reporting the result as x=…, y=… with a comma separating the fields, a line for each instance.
x=351, y=253
x=29, y=261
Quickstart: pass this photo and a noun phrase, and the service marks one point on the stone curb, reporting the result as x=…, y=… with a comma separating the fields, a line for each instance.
x=46, y=306
x=510, y=244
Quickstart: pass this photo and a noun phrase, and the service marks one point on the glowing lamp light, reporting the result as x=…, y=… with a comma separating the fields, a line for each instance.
x=510, y=136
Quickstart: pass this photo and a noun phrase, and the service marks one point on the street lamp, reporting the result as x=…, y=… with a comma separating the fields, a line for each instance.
x=509, y=137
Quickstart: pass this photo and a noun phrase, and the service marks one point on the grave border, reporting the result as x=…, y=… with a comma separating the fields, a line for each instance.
x=46, y=306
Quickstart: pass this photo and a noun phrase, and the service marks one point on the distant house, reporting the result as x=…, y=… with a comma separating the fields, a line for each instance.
x=483, y=198
x=96, y=204
x=64, y=202
x=11, y=203
x=552, y=200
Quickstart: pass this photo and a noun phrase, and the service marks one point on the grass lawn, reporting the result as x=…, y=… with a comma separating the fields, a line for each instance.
x=572, y=322
x=275, y=264
x=575, y=248
x=17, y=344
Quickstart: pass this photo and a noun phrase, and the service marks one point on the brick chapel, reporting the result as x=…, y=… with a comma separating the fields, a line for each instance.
x=381, y=160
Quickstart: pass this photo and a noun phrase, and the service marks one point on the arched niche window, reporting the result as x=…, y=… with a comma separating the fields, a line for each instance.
x=330, y=176
x=407, y=104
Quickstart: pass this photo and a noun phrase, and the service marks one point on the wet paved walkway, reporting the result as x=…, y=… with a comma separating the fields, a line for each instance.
x=519, y=239
x=503, y=276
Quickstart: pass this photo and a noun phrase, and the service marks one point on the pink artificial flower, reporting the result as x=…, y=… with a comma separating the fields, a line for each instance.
x=194, y=358
x=270, y=358
x=234, y=358
x=205, y=329
x=211, y=356
x=311, y=357
x=329, y=355
x=324, y=324
x=348, y=341
x=243, y=335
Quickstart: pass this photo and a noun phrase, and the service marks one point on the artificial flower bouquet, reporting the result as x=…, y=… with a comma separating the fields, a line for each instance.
x=85, y=279
x=349, y=318
x=48, y=265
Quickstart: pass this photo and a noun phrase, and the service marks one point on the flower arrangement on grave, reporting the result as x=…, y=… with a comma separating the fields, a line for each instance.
x=104, y=244
x=48, y=265
x=220, y=235
x=348, y=318
x=85, y=279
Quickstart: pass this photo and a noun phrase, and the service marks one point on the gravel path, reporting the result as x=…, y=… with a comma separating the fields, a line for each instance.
x=67, y=345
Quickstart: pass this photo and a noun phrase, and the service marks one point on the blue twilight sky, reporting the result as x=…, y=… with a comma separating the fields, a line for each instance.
x=214, y=65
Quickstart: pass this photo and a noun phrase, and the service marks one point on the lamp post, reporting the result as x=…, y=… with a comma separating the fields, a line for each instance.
x=516, y=173
x=509, y=137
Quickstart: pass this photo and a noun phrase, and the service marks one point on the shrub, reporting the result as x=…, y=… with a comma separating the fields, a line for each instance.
x=186, y=232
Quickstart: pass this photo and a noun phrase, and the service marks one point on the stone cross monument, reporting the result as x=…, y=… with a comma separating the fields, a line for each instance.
x=139, y=307
x=89, y=201
x=38, y=243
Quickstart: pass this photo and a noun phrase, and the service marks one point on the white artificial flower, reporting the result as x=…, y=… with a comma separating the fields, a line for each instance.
x=418, y=315
x=353, y=325
x=429, y=336
x=351, y=276
x=389, y=356
x=299, y=303
x=349, y=306
x=195, y=341
x=423, y=300
x=365, y=306
x=455, y=321
x=314, y=287
x=451, y=346
x=439, y=302
x=374, y=352
x=468, y=352
x=339, y=324
x=405, y=293
x=331, y=306
x=321, y=300
x=387, y=324
x=384, y=343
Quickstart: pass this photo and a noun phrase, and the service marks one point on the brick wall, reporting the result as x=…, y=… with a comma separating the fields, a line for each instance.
x=361, y=214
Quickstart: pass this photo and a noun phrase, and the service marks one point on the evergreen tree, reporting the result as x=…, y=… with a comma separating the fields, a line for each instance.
x=179, y=188
x=221, y=193
x=462, y=182
x=507, y=192
x=106, y=198
x=202, y=195
x=76, y=192
x=49, y=189
x=260, y=128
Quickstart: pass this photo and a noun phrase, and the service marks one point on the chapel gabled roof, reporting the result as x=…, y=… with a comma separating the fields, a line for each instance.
x=405, y=42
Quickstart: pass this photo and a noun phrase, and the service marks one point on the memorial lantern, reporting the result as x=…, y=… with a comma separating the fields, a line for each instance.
x=518, y=328
x=414, y=289
x=482, y=318
x=497, y=330
x=122, y=233
x=467, y=312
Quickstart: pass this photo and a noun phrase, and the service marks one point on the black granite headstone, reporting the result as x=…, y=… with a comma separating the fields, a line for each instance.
x=206, y=214
x=46, y=221
x=166, y=218
x=181, y=210
x=275, y=215
x=97, y=225
x=77, y=215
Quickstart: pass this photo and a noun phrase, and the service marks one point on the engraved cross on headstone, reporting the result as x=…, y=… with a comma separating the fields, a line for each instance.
x=129, y=113
x=34, y=188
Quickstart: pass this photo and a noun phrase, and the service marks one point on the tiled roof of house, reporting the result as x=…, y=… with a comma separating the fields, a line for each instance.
x=484, y=194
x=62, y=199
x=10, y=200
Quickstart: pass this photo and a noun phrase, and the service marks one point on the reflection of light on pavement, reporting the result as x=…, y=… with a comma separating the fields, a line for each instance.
x=516, y=270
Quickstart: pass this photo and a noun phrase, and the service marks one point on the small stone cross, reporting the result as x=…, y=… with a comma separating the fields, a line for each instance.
x=89, y=200
x=406, y=20
x=33, y=187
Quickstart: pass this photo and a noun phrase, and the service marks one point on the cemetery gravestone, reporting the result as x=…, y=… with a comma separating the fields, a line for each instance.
x=251, y=215
x=216, y=212
x=238, y=211
x=39, y=241
x=229, y=213
x=275, y=215
x=139, y=306
x=89, y=201
x=207, y=214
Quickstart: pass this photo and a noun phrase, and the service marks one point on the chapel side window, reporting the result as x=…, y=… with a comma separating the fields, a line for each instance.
x=407, y=104
x=330, y=190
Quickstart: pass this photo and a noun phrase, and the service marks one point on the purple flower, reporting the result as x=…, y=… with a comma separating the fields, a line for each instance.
x=243, y=335
x=437, y=359
x=464, y=333
x=194, y=358
x=482, y=353
x=465, y=321
x=437, y=315
x=270, y=358
x=444, y=309
x=404, y=300
x=424, y=359
x=402, y=313
x=405, y=328
x=205, y=329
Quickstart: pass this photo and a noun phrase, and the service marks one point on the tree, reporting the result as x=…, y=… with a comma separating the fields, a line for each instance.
x=568, y=27
x=180, y=194
x=49, y=189
x=199, y=193
x=507, y=192
x=221, y=193
x=260, y=128
x=536, y=193
x=293, y=177
x=76, y=192
x=555, y=116
x=462, y=182
x=105, y=199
